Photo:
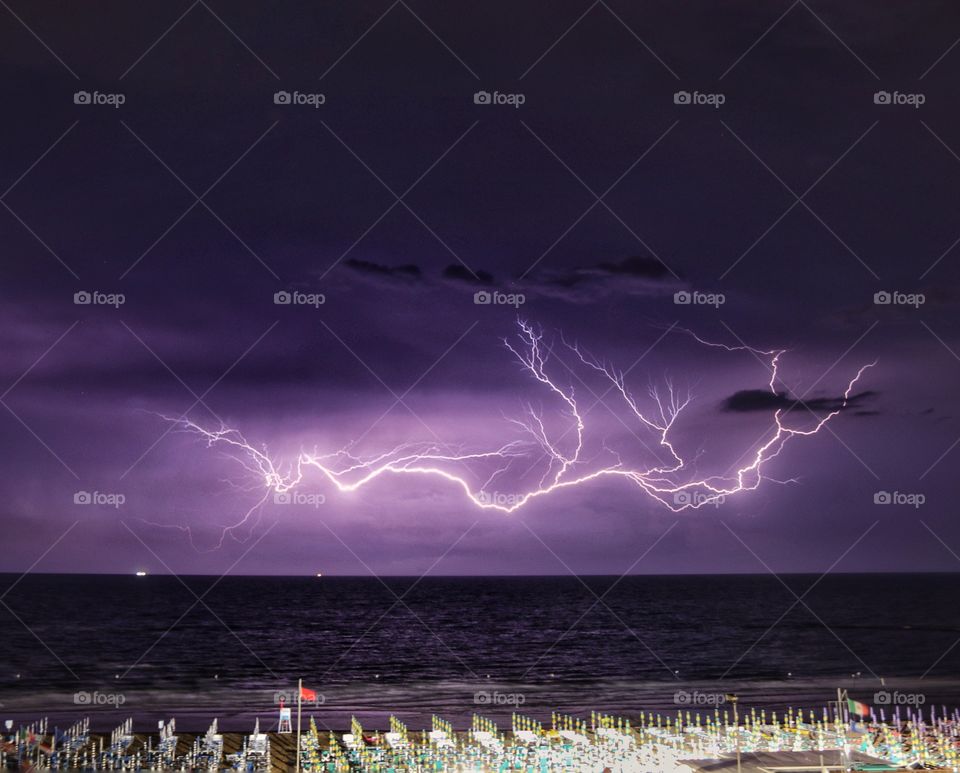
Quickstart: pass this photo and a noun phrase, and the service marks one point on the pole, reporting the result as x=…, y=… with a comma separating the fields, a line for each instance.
x=299, y=701
x=843, y=720
x=736, y=727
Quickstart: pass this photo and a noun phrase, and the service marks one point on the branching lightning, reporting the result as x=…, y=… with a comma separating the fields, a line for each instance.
x=672, y=483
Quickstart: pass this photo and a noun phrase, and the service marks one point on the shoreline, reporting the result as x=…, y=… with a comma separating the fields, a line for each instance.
x=238, y=705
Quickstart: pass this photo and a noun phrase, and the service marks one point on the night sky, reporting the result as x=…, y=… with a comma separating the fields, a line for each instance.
x=398, y=198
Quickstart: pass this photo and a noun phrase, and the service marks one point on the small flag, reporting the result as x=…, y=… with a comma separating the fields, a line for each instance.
x=855, y=707
x=307, y=695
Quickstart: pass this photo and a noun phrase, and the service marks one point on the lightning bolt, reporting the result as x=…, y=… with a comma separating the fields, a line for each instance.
x=672, y=483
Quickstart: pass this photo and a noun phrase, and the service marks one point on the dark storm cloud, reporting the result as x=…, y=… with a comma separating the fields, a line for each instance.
x=632, y=276
x=412, y=274
x=749, y=400
x=408, y=273
x=458, y=273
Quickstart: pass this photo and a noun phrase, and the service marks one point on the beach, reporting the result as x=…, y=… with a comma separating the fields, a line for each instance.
x=836, y=738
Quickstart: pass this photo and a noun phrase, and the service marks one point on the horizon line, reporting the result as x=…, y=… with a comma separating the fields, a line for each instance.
x=133, y=573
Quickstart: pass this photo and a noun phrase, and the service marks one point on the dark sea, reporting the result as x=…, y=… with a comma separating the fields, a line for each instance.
x=196, y=648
